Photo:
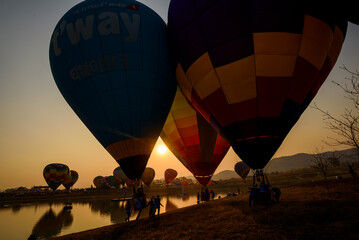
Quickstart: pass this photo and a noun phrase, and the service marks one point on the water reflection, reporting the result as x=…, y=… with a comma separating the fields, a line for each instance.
x=50, y=219
x=170, y=206
x=50, y=224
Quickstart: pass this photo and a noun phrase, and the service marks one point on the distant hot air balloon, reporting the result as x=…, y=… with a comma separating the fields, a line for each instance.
x=184, y=183
x=110, y=61
x=97, y=181
x=148, y=176
x=71, y=179
x=170, y=175
x=55, y=174
x=252, y=67
x=119, y=175
x=109, y=182
x=192, y=140
x=241, y=169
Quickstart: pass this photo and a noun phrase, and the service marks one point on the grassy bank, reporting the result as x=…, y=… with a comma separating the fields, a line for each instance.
x=306, y=211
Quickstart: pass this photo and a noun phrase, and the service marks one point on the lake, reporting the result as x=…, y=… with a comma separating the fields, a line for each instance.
x=51, y=219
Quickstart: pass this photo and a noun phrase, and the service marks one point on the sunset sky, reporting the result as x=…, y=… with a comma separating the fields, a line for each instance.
x=38, y=127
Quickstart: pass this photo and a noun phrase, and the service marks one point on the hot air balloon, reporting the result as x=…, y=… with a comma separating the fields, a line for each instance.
x=119, y=175
x=71, y=179
x=110, y=61
x=109, y=182
x=241, y=169
x=148, y=176
x=192, y=140
x=170, y=175
x=97, y=181
x=252, y=67
x=55, y=174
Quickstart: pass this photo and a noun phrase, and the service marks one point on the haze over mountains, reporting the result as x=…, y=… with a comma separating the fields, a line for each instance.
x=287, y=163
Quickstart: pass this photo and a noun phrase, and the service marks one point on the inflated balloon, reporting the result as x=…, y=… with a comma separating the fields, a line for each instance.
x=252, y=67
x=109, y=182
x=55, y=174
x=148, y=176
x=170, y=175
x=241, y=169
x=192, y=140
x=71, y=179
x=97, y=181
x=119, y=175
x=110, y=61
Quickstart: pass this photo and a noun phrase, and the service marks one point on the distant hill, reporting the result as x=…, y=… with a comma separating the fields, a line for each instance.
x=287, y=163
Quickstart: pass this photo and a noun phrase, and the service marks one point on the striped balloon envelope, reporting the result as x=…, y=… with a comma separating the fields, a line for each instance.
x=192, y=140
x=110, y=61
x=170, y=175
x=252, y=67
x=71, y=179
x=241, y=169
x=55, y=174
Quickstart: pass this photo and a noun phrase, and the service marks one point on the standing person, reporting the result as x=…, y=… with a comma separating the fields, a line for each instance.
x=128, y=210
x=158, y=204
x=198, y=198
x=277, y=193
x=212, y=194
x=207, y=194
x=263, y=193
x=152, y=206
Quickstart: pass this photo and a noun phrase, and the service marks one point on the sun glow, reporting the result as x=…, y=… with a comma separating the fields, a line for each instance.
x=162, y=149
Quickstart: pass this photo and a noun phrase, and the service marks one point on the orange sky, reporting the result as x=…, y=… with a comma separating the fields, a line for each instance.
x=38, y=127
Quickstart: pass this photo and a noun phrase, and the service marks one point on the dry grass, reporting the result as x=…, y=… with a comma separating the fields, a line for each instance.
x=306, y=211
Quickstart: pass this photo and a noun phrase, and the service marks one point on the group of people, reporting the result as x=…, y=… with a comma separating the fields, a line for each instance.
x=139, y=202
x=205, y=195
x=264, y=194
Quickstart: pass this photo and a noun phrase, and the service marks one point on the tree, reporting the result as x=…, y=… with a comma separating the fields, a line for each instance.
x=346, y=126
x=322, y=161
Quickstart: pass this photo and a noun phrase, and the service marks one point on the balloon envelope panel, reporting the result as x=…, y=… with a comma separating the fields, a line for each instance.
x=192, y=140
x=111, y=63
x=252, y=67
x=55, y=174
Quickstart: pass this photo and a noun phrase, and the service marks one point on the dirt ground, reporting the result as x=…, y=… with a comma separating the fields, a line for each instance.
x=306, y=211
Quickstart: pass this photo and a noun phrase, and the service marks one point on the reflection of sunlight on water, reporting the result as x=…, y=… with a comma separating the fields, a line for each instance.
x=49, y=219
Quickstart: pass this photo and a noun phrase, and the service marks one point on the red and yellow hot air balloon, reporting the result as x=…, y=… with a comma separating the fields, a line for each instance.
x=55, y=174
x=170, y=175
x=71, y=179
x=252, y=67
x=193, y=140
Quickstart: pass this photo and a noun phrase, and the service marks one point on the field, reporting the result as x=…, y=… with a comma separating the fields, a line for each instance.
x=306, y=211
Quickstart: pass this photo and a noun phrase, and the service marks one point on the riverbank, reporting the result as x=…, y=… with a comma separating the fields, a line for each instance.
x=306, y=211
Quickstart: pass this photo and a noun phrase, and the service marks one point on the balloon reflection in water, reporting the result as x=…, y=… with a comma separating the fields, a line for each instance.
x=51, y=224
x=170, y=206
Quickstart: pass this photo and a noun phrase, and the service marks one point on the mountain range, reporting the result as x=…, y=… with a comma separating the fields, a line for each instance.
x=297, y=161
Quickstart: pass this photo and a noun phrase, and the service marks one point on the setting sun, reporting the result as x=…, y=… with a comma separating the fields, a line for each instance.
x=162, y=149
